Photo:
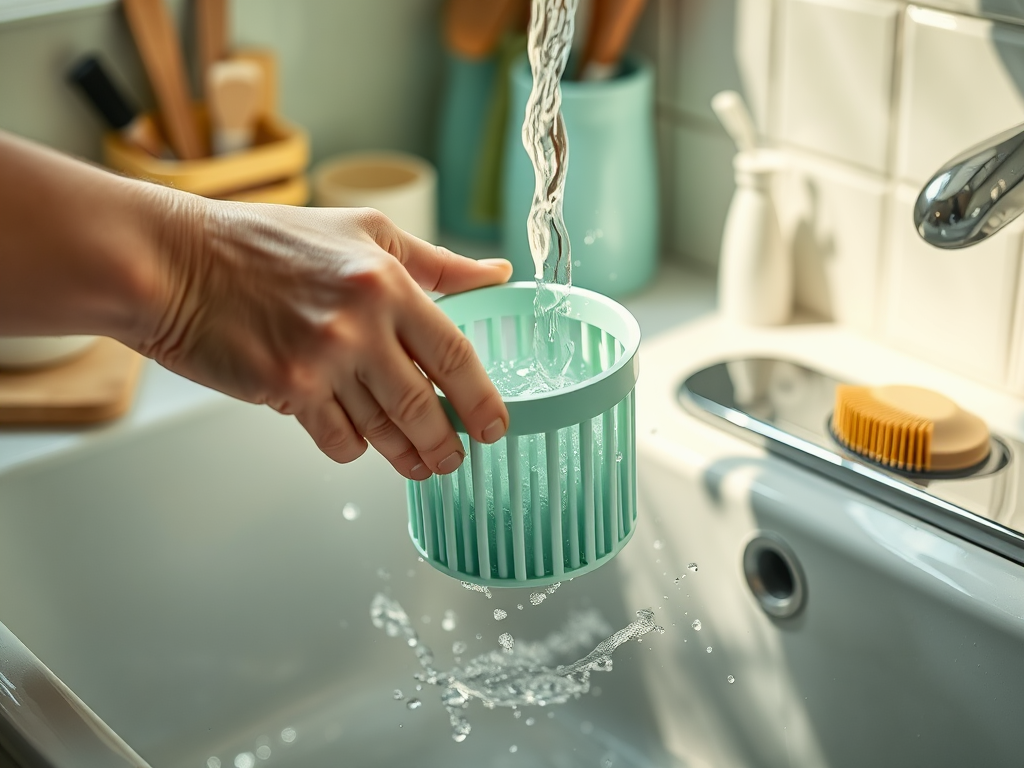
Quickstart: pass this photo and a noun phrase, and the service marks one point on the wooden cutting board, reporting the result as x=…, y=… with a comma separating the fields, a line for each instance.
x=97, y=386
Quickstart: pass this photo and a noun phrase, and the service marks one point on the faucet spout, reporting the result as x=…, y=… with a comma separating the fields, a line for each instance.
x=975, y=194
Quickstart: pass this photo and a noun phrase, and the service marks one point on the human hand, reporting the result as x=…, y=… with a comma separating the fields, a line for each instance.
x=321, y=313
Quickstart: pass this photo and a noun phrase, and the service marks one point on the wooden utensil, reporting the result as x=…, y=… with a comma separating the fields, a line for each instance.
x=473, y=28
x=611, y=26
x=234, y=96
x=157, y=41
x=212, y=34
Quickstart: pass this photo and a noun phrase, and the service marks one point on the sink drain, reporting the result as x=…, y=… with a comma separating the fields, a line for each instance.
x=774, y=576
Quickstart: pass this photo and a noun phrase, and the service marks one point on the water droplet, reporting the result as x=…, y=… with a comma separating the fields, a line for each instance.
x=479, y=636
x=608, y=760
x=731, y=679
x=398, y=695
x=420, y=559
x=517, y=714
x=448, y=621
x=587, y=727
x=618, y=457
x=536, y=598
x=213, y=762
x=414, y=704
x=696, y=624
x=553, y=588
x=459, y=737
x=513, y=749
x=531, y=720
x=520, y=606
x=245, y=760
x=506, y=641
x=499, y=614
x=350, y=512
x=411, y=642
x=658, y=544
x=263, y=752
x=709, y=649
x=680, y=578
x=692, y=567
x=288, y=735
x=419, y=687
x=664, y=597
x=459, y=647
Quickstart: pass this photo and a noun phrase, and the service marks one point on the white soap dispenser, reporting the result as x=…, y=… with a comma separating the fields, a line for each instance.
x=755, y=272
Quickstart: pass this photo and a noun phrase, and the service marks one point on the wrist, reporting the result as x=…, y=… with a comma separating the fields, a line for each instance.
x=164, y=265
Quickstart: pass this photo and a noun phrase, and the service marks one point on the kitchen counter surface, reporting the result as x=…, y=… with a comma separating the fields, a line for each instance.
x=675, y=296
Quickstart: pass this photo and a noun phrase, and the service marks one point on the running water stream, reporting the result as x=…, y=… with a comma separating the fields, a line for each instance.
x=523, y=673
x=548, y=45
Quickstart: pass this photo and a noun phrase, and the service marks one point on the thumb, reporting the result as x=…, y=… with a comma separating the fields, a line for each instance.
x=435, y=268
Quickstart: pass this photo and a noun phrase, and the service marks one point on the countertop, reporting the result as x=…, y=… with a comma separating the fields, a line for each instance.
x=676, y=296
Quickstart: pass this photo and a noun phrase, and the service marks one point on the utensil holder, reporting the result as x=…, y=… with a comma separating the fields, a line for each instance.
x=492, y=522
x=611, y=190
x=271, y=171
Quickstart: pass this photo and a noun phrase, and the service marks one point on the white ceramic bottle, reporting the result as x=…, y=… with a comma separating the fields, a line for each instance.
x=755, y=272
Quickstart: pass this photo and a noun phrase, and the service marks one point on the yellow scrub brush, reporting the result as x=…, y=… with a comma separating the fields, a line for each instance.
x=909, y=429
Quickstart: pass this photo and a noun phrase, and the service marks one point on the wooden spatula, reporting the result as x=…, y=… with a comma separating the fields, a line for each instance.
x=611, y=26
x=157, y=41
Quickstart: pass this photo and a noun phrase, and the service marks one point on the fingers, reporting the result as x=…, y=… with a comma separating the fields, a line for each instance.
x=332, y=431
x=404, y=413
x=371, y=421
x=449, y=359
x=436, y=268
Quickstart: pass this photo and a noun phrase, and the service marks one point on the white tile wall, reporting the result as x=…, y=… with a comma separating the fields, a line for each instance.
x=698, y=161
x=835, y=78
x=869, y=98
x=953, y=307
x=832, y=220
x=963, y=80
x=714, y=45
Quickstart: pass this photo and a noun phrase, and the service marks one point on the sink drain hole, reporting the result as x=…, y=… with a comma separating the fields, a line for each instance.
x=774, y=576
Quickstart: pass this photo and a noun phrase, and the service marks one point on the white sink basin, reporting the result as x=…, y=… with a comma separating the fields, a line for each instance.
x=197, y=584
x=199, y=587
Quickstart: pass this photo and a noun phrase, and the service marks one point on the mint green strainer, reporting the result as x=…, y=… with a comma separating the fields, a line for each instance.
x=556, y=497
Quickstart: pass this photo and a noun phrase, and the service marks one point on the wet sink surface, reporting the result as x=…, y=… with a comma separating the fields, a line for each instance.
x=200, y=585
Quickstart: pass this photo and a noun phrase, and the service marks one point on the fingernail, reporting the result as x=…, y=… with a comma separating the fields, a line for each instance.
x=493, y=431
x=494, y=262
x=419, y=472
x=451, y=463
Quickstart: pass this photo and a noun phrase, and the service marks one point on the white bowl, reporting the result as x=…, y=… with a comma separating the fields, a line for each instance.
x=20, y=352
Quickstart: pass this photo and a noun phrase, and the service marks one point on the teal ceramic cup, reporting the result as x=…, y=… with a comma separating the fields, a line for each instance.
x=465, y=102
x=611, y=188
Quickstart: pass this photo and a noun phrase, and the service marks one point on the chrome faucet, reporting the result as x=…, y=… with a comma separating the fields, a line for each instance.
x=975, y=194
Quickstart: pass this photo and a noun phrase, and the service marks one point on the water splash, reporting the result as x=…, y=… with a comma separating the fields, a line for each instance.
x=527, y=674
x=696, y=624
x=506, y=641
x=476, y=588
x=499, y=614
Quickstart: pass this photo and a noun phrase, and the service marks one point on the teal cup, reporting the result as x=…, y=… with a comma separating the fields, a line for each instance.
x=465, y=103
x=611, y=188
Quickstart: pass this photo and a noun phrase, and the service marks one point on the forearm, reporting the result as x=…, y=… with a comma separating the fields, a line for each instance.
x=81, y=250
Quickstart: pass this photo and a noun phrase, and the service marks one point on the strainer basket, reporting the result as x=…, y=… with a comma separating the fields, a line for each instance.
x=556, y=497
